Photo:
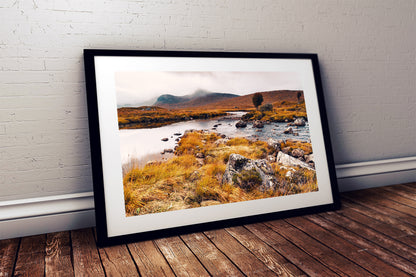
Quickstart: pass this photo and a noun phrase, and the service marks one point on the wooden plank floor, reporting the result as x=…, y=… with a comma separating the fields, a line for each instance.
x=374, y=234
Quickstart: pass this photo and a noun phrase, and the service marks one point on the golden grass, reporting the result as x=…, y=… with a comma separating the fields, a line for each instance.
x=182, y=182
x=287, y=111
x=151, y=117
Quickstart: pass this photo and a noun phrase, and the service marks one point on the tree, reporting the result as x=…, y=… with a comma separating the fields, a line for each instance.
x=298, y=95
x=257, y=99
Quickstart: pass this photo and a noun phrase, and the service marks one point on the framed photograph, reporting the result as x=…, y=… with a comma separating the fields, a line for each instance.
x=190, y=141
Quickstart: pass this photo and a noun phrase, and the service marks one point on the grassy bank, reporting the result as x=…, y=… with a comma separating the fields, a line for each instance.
x=151, y=117
x=286, y=111
x=186, y=181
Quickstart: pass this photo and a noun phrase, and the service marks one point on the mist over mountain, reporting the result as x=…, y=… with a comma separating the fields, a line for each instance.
x=198, y=98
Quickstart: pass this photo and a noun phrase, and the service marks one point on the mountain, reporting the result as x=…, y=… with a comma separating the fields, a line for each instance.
x=198, y=98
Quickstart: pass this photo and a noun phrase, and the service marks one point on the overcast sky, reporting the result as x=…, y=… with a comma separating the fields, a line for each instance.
x=134, y=88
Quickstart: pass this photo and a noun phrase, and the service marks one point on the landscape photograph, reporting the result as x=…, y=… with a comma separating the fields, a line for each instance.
x=196, y=139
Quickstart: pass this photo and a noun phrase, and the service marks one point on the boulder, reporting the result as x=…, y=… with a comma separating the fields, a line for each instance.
x=271, y=158
x=286, y=150
x=241, y=124
x=275, y=144
x=299, y=122
x=309, y=159
x=177, y=134
x=297, y=153
x=258, y=124
x=165, y=139
x=249, y=174
x=200, y=155
x=287, y=160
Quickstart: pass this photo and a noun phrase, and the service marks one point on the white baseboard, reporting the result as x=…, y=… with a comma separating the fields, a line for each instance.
x=33, y=216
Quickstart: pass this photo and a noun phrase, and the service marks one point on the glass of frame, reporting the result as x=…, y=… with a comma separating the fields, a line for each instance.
x=189, y=141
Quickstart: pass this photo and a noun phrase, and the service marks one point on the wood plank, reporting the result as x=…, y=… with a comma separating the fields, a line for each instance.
x=181, y=259
x=327, y=256
x=380, y=226
x=346, y=248
x=86, y=258
x=249, y=264
x=365, y=245
x=58, y=255
x=369, y=203
x=8, y=254
x=291, y=252
x=404, y=191
x=380, y=216
x=408, y=187
x=392, y=245
x=31, y=257
x=149, y=260
x=367, y=195
x=117, y=261
x=212, y=259
x=270, y=257
x=394, y=195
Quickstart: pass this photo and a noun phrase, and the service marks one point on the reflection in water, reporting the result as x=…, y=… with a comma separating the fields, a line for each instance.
x=146, y=144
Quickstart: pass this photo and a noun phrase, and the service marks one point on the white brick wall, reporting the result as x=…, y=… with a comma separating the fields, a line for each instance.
x=366, y=50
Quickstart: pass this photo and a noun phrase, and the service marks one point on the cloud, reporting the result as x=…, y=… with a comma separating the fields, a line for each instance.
x=134, y=88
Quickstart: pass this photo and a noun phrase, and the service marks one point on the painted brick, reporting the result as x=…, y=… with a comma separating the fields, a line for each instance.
x=366, y=51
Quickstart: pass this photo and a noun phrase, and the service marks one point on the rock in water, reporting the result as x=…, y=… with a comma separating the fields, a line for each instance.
x=249, y=174
x=288, y=131
x=299, y=122
x=287, y=160
x=241, y=124
x=258, y=124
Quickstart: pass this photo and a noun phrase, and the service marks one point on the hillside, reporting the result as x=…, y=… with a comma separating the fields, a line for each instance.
x=198, y=98
x=245, y=102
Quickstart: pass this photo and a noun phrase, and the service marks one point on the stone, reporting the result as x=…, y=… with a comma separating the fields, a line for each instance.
x=309, y=158
x=260, y=172
x=297, y=153
x=286, y=150
x=258, y=124
x=165, y=139
x=288, y=131
x=167, y=151
x=287, y=160
x=299, y=122
x=241, y=124
x=200, y=155
x=177, y=134
x=221, y=141
x=275, y=144
x=271, y=158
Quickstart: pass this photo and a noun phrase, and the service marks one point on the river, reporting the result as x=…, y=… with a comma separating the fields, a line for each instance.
x=146, y=144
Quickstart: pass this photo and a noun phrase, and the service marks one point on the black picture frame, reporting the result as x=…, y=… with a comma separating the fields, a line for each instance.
x=101, y=66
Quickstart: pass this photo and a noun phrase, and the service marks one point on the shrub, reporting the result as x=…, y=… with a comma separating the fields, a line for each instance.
x=247, y=179
x=266, y=108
